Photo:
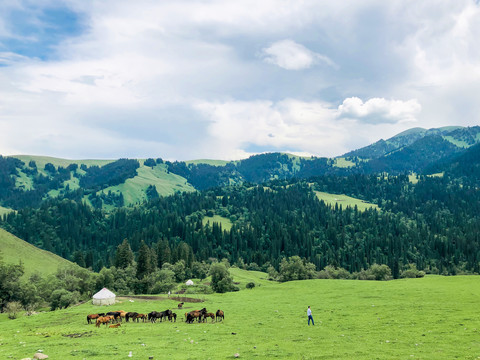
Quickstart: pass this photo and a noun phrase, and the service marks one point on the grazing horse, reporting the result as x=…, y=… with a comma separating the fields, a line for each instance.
x=92, y=317
x=153, y=316
x=130, y=315
x=172, y=316
x=116, y=315
x=219, y=314
x=196, y=314
x=180, y=305
x=141, y=317
x=210, y=315
x=103, y=320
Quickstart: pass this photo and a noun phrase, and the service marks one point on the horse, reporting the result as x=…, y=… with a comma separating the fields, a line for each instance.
x=210, y=315
x=180, y=305
x=196, y=314
x=141, y=316
x=219, y=314
x=114, y=325
x=103, y=320
x=92, y=317
x=130, y=315
x=116, y=315
x=172, y=316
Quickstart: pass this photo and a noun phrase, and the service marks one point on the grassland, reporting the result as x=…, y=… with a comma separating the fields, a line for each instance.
x=41, y=161
x=344, y=201
x=225, y=222
x=166, y=183
x=341, y=162
x=208, y=162
x=13, y=250
x=4, y=210
x=430, y=318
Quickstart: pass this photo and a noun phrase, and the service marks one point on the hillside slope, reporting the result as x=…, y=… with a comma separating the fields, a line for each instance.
x=13, y=250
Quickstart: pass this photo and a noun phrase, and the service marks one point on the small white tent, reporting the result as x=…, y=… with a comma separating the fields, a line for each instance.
x=104, y=297
x=189, y=282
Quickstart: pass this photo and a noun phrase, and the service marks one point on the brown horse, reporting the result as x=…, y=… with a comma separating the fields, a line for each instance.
x=219, y=314
x=180, y=305
x=103, y=320
x=209, y=315
x=92, y=317
x=115, y=325
x=196, y=314
x=142, y=317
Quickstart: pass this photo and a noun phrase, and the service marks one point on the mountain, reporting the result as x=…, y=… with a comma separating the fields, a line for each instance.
x=459, y=136
x=108, y=184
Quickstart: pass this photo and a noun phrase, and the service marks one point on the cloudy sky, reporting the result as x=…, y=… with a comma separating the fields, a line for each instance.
x=225, y=79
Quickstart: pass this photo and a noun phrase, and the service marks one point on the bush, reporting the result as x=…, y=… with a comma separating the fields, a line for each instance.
x=412, y=272
x=12, y=309
x=250, y=285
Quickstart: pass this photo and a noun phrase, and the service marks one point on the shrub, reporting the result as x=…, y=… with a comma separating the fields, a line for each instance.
x=412, y=272
x=250, y=285
x=12, y=309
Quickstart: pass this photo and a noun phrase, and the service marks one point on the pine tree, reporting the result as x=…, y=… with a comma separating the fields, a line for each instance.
x=144, y=264
x=124, y=255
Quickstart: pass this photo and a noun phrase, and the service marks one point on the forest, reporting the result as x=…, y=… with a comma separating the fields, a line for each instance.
x=433, y=223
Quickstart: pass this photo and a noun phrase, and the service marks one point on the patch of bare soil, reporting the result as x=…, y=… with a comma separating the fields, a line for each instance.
x=77, y=335
x=159, y=298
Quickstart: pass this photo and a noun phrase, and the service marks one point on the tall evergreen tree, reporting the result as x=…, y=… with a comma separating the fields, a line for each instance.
x=123, y=255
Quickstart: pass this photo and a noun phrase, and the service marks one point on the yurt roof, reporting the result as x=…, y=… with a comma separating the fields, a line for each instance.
x=189, y=282
x=104, y=294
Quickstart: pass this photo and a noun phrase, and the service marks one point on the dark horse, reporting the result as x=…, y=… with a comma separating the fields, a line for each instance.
x=154, y=315
x=131, y=315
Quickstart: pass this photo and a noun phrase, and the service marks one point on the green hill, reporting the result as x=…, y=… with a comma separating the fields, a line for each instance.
x=13, y=250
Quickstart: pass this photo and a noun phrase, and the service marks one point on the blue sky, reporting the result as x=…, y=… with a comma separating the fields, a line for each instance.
x=226, y=79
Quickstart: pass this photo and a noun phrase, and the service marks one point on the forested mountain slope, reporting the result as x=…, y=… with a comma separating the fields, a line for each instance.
x=27, y=181
x=434, y=223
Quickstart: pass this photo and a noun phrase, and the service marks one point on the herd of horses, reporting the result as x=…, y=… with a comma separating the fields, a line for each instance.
x=114, y=318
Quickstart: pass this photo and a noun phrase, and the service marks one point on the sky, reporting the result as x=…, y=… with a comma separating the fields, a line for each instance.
x=226, y=79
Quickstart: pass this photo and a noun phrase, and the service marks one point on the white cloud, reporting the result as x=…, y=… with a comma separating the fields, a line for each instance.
x=293, y=56
x=379, y=110
x=288, y=125
x=138, y=68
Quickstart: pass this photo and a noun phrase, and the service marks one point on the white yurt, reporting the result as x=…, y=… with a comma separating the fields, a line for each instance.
x=104, y=297
x=189, y=283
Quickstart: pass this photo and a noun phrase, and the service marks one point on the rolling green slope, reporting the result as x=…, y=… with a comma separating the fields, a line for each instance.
x=344, y=201
x=14, y=250
x=166, y=183
x=41, y=161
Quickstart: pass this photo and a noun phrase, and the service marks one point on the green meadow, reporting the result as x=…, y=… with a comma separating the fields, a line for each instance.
x=13, y=250
x=344, y=201
x=429, y=318
x=225, y=222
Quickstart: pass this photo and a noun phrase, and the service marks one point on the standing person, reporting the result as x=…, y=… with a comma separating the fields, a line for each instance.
x=309, y=313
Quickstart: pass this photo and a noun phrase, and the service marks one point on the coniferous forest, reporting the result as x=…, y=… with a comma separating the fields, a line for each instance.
x=433, y=223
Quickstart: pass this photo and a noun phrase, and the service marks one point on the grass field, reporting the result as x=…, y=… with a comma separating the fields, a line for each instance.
x=13, y=249
x=4, y=210
x=225, y=222
x=166, y=183
x=341, y=162
x=429, y=318
x=41, y=161
x=344, y=201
